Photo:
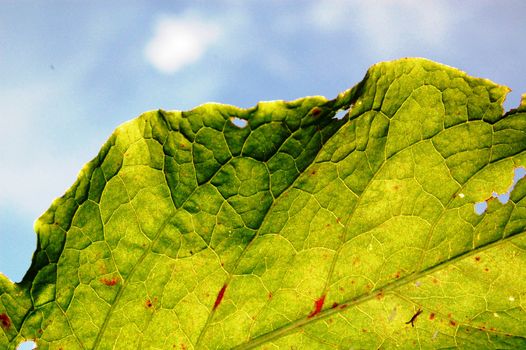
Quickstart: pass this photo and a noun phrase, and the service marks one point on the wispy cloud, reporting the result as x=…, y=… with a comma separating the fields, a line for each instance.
x=178, y=42
x=386, y=27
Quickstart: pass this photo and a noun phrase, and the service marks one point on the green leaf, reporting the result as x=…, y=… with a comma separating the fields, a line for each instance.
x=298, y=230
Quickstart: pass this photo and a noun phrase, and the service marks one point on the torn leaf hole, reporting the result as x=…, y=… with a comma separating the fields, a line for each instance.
x=481, y=207
x=240, y=123
x=27, y=345
x=341, y=114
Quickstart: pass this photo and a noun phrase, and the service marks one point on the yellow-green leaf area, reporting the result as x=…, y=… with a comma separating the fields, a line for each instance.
x=296, y=230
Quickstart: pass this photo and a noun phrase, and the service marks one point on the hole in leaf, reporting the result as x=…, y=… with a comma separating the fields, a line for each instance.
x=518, y=174
x=240, y=123
x=340, y=114
x=480, y=207
x=27, y=345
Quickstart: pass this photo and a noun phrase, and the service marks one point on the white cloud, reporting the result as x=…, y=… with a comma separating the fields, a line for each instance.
x=179, y=41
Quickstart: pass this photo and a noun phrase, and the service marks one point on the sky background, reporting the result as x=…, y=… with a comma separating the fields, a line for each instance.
x=72, y=71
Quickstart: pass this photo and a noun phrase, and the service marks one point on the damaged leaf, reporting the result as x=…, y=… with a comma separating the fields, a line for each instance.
x=294, y=226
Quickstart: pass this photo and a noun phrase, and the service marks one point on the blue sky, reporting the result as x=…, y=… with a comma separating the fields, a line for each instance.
x=71, y=71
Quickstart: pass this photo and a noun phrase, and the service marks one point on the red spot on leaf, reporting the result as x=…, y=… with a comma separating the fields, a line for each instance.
x=334, y=305
x=5, y=320
x=110, y=282
x=343, y=306
x=148, y=303
x=318, y=305
x=315, y=111
x=220, y=296
x=431, y=316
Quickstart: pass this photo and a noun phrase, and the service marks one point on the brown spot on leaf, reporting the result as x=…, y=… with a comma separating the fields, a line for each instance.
x=315, y=111
x=269, y=295
x=148, y=304
x=335, y=304
x=477, y=258
x=453, y=323
x=5, y=321
x=364, y=330
x=40, y=331
x=318, y=305
x=220, y=296
x=486, y=269
x=397, y=275
x=380, y=295
x=432, y=316
x=313, y=172
x=110, y=282
x=343, y=306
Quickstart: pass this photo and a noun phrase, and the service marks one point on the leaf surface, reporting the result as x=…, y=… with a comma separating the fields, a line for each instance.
x=298, y=230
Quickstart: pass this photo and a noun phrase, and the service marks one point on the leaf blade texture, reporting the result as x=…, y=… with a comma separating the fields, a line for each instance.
x=298, y=229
